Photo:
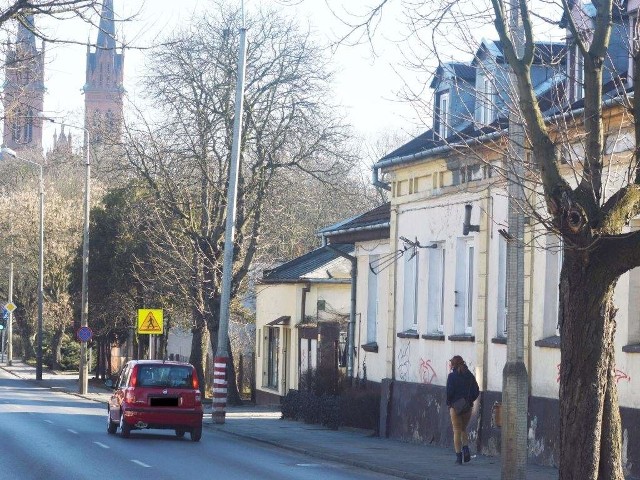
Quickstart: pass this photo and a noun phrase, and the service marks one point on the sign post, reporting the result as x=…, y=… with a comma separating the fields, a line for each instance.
x=151, y=322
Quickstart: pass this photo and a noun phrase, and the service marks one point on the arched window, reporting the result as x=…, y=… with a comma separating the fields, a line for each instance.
x=28, y=127
x=15, y=130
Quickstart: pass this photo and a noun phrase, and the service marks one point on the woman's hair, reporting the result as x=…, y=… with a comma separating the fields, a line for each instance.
x=457, y=363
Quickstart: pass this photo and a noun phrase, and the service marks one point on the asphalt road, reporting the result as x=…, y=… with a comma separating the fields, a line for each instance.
x=55, y=436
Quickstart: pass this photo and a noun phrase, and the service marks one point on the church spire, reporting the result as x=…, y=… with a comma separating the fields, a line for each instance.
x=107, y=32
x=26, y=38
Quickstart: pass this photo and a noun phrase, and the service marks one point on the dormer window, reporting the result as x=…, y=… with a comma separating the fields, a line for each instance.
x=575, y=67
x=443, y=108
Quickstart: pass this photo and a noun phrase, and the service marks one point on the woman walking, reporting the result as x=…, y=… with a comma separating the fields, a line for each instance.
x=462, y=391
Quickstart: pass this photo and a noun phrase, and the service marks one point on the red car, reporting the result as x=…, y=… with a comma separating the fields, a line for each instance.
x=156, y=394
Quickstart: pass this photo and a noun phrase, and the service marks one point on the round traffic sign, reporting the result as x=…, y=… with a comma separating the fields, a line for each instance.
x=84, y=334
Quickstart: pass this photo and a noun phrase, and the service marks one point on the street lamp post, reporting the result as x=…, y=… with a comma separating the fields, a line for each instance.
x=8, y=152
x=84, y=312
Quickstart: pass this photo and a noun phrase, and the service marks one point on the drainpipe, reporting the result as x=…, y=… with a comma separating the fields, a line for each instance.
x=375, y=180
x=351, y=331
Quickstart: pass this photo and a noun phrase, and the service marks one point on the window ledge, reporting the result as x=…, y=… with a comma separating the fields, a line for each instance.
x=408, y=334
x=632, y=348
x=434, y=336
x=370, y=347
x=462, y=338
x=549, y=342
x=500, y=340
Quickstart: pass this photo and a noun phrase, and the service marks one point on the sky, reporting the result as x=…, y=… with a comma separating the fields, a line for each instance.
x=365, y=84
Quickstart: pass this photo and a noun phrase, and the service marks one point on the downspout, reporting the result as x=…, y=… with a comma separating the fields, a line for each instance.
x=375, y=180
x=303, y=302
x=351, y=331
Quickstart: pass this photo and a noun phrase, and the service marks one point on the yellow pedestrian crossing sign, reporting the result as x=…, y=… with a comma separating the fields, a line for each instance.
x=150, y=321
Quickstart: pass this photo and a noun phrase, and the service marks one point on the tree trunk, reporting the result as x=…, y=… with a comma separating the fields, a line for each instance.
x=589, y=413
x=56, y=348
x=199, y=343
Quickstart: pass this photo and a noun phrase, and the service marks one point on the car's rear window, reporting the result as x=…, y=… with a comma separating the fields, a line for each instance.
x=174, y=376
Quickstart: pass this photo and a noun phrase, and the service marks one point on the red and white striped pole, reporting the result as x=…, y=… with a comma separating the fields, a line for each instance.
x=222, y=351
x=219, y=389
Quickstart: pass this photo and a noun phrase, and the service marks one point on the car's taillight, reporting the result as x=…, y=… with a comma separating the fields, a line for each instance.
x=194, y=381
x=129, y=396
x=134, y=377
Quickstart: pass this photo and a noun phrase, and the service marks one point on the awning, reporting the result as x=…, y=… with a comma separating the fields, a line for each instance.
x=284, y=320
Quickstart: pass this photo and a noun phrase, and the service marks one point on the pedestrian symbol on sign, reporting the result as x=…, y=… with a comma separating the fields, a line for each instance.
x=150, y=321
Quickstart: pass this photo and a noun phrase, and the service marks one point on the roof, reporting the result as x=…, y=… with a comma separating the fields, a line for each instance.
x=545, y=53
x=296, y=269
x=379, y=216
x=461, y=70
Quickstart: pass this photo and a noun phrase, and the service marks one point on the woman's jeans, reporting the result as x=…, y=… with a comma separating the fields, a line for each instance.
x=459, y=424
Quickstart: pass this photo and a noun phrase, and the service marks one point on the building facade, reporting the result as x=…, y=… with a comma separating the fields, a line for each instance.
x=24, y=90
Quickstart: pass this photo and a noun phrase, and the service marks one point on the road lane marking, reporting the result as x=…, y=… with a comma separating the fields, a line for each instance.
x=72, y=431
x=49, y=421
x=102, y=445
x=141, y=464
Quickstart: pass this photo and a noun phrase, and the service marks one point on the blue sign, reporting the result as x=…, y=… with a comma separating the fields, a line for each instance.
x=84, y=334
x=5, y=314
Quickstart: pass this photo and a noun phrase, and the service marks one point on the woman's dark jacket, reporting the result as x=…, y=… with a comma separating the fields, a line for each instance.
x=461, y=385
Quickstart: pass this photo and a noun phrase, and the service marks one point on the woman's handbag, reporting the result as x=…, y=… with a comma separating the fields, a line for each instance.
x=461, y=406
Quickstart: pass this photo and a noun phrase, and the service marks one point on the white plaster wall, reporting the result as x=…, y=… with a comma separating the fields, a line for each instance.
x=375, y=362
x=436, y=220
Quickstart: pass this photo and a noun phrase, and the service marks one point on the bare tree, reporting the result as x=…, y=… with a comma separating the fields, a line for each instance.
x=184, y=157
x=590, y=191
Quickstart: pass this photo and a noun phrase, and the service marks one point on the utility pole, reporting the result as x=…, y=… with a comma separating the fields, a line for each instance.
x=10, y=321
x=515, y=387
x=84, y=315
x=222, y=353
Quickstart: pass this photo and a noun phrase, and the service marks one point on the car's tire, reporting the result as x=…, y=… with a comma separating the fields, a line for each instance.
x=125, y=428
x=196, y=434
x=112, y=427
x=180, y=432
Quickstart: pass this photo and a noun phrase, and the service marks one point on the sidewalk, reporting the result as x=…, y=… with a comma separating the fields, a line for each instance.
x=354, y=447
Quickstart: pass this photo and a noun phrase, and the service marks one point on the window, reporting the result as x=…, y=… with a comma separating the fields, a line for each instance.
x=372, y=301
x=634, y=303
x=464, y=292
x=28, y=127
x=410, y=287
x=575, y=68
x=435, y=290
x=634, y=44
x=502, y=288
x=486, y=104
x=554, y=257
x=273, y=346
x=444, y=115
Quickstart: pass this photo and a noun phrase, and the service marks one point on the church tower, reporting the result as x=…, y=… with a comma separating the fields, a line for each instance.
x=24, y=91
x=103, y=89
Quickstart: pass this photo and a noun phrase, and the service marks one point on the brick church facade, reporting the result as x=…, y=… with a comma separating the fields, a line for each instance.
x=24, y=89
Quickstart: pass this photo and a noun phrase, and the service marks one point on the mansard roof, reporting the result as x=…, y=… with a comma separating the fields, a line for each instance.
x=545, y=53
x=460, y=70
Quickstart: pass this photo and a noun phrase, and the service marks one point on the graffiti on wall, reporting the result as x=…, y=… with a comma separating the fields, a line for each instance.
x=427, y=372
x=404, y=362
x=618, y=374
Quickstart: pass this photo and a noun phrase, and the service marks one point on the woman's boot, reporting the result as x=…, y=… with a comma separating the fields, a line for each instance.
x=466, y=454
x=459, y=458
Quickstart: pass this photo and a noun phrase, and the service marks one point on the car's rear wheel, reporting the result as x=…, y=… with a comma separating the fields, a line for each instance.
x=179, y=433
x=125, y=428
x=196, y=434
x=111, y=426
